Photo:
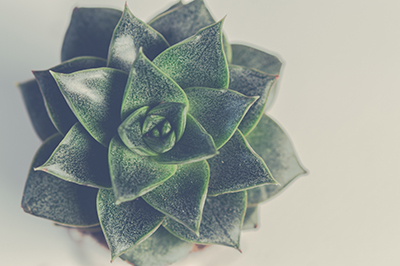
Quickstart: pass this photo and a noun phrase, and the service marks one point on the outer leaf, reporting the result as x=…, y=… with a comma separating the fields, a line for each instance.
x=222, y=221
x=160, y=249
x=251, y=218
x=218, y=111
x=36, y=109
x=195, y=145
x=58, y=109
x=79, y=159
x=52, y=198
x=129, y=35
x=183, y=195
x=273, y=145
x=198, y=61
x=89, y=32
x=251, y=83
x=95, y=96
x=127, y=224
x=148, y=86
x=237, y=167
x=133, y=175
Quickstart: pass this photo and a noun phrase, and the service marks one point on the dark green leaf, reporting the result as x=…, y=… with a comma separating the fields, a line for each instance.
x=251, y=218
x=183, y=195
x=89, y=32
x=133, y=175
x=148, y=86
x=36, y=109
x=195, y=145
x=52, y=198
x=95, y=96
x=237, y=167
x=79, y=159
x=251, y=82
x=58, y=109
x=160, y=249
x=218, y=111
x=273, y=145
x=222, y=220
x=198, y=61
x=127, y=224
x=129, y=35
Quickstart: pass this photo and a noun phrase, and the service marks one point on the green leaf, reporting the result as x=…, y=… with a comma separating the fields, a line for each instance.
x=183, y=195
x=127, y=224
x=251, y=218
x=89, y=32
x=95, y=96
x=132, y=175
x=129, y=35
x=160, y=249
x=52, y=198
x=148, y=86
x=36, y=109
x=198, y=61
x=273, y=145
x=58, y=109
x=195, y=145
x=218, y=111
x=222, y=220
x=251, y=82
x=79, y=159
x=237, y=167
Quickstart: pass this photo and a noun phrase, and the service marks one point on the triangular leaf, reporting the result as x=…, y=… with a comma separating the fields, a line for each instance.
x=55, y=199
x=251, y=218
x=183, y=195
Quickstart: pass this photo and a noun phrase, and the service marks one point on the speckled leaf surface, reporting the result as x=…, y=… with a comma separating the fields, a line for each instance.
x=130, y=34
x=95, y=96
x=79, y=159
x=218, y=111
x=133, y=175
x=276, y=149
x=251, y=82
x=237, y=167
x=58, y=109
x=36, y=109
x=89, y=32
x=127, y=224
x=148, y=86
x=55, y=199
x=195, y=145
x=198, y=61
x=251, y=218
x=222, y=221
x=183, y=195
x=160, y=249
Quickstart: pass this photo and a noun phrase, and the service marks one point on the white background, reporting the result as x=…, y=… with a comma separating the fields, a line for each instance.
x=338, y=100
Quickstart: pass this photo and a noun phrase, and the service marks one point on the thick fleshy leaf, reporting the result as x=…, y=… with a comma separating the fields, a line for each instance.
x=273, y=145
x=251, y=82
x=148, y=86
x=95, y=96
x=55, y=199
x=183, y=195
x=218, y=111
x=130, y=34
x=127, y=224
x=222, y=221
x=58, y=109
x=251, y=218
x=89, y=32
x=198, y=61
x=160, y=249
x=237, y=167
x=79, y=159
x=133, y=175
x=36, y=109
x=195, y=145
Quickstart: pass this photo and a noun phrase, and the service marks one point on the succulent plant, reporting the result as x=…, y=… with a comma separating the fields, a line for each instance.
x=156, y=133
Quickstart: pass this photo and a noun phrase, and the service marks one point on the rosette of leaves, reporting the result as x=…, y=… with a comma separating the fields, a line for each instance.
x=156, y=133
